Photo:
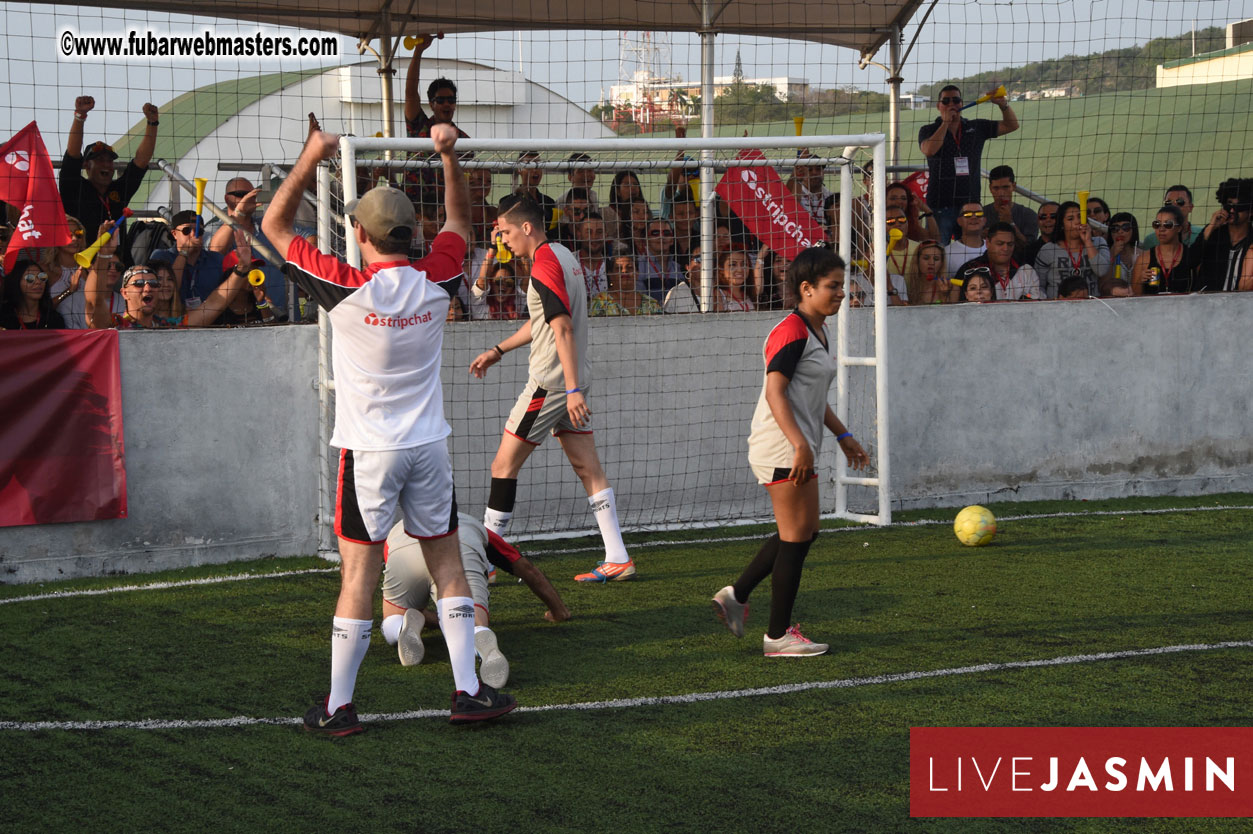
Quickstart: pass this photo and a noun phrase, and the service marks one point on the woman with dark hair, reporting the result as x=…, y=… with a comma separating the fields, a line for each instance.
x=633, y=225
x=624, y=189
x=783, y=447
x=27, y=304
x=979, y=286
x=1075, y=252
x=1167, y=267
x=1124, y=247
x=731, y=294
x=1098, y=210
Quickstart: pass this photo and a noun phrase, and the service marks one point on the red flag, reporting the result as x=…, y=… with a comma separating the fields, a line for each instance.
x=771, y=212
x=27, y=181
x=917, y=183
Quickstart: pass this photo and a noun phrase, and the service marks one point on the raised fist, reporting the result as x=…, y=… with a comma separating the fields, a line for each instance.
x=84, y=104
x=151, y=113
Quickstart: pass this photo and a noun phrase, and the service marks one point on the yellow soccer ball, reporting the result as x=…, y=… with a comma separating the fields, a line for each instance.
x=975, y=526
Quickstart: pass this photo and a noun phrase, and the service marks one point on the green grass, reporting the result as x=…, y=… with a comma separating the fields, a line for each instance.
x=896, y=600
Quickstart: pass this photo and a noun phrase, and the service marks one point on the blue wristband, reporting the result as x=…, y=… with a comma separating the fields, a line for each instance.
x=573, y=390
x=840, y=437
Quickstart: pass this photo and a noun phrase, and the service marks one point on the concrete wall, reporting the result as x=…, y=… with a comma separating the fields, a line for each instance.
x=1045, y=400
x=221, y=447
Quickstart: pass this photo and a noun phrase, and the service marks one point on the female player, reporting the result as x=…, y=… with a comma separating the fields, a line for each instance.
x=783, y=447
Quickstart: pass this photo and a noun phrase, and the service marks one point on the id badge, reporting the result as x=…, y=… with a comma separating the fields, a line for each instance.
x=961, y=166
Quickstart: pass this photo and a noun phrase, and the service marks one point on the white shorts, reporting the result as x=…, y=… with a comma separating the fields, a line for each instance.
x=374, y=485
x=407, y=581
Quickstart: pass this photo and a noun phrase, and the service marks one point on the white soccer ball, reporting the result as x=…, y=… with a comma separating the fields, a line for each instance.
x=975, y=526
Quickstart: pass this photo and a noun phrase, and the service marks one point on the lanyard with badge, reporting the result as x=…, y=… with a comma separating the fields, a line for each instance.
x=961, y=164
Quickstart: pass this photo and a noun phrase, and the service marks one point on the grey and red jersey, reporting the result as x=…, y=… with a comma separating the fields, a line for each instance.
x=800, y=353
x=388, y=325
x=556, y=289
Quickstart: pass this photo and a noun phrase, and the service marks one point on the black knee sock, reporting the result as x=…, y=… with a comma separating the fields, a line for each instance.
x=784, y=583
x=503, y=493
x=758, y=569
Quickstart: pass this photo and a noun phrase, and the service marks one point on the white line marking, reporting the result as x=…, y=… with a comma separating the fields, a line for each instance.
x=158, y=586
x=926, y=522
x=628, y=703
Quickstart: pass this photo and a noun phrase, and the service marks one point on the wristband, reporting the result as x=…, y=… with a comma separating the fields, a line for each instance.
x=80, y=117
x=262, y=305
x=840, y=437
x=154, y=122
x=573, y=390
x=498, y=350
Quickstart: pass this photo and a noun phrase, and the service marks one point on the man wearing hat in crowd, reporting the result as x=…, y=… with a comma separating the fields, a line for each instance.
x=388, y=324
x=198, y=270
x=99, y=197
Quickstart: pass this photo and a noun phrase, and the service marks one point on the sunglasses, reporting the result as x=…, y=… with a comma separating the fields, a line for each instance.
x=186, y=230
x=142, y=283
x=660, y=233
x=1164, y=224
x=951, y=100
x=36, y=278
x=1120, y=227
x=1052, y=216
x=1178, y=201
x=896, y=221
x=78, y=233
x=239, y=195
x=445, y=99
x=972, y=214
x=1235, y=208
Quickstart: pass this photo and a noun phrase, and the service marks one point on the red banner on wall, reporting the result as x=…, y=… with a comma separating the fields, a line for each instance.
x=1081, y=771
x=61, y=452
x=759, y=197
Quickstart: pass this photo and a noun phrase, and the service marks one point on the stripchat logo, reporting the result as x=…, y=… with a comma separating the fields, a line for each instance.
x=375, y=320
x=776, y=212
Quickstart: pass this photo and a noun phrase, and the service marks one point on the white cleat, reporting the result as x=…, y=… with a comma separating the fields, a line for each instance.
x=493, y=668
x=409, y=644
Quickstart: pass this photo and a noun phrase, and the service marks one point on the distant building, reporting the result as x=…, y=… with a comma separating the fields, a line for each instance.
x=916, y=101
x=650, y=98
x=1232, y=64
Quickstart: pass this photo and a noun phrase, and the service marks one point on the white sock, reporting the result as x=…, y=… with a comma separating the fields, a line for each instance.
x=477, y=629
x=456, y=620
x=391, y=628
x=350, y=639
x=606, y=511
x=496, y=520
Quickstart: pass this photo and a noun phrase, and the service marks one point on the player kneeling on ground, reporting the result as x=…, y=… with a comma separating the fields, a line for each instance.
x=408, y=588
x=783, y=446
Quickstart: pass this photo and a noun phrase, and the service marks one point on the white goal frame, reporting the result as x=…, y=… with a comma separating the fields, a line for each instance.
x=332, y=225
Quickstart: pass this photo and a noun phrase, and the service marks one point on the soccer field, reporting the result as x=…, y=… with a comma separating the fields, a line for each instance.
x=177, y=704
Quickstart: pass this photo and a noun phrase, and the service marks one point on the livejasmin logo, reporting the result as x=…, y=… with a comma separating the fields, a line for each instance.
x=1081, y=771
x=375, y=320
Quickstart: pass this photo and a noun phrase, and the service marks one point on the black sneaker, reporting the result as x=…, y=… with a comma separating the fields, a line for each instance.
x=343, y=723
x=486, y=705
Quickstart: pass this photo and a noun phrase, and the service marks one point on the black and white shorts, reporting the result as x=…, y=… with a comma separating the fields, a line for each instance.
x=375, y=486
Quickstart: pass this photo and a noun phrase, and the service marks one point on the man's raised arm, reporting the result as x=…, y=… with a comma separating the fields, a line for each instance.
x=456, y=188
x=278, y=221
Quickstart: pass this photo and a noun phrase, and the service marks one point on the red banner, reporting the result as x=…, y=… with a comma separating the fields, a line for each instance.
x=61, y=453
x=27, y=182
x=1081, y=771
x=917, y=182
x=759, y=197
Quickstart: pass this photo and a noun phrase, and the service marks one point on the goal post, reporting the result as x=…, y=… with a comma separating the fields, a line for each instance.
x=671, y=420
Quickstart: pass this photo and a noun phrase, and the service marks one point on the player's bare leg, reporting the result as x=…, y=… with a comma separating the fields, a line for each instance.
x=580, y=449
x=796, y=513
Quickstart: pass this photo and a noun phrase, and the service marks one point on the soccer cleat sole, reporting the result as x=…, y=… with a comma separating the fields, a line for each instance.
x=615, y=575
x=720, y=611
x=409, y=645
x=494, y=667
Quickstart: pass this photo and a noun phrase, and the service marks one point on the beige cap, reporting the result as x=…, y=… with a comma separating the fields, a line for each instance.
x=383, y=210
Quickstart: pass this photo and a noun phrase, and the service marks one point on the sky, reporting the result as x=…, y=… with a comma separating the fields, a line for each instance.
x=961, y=37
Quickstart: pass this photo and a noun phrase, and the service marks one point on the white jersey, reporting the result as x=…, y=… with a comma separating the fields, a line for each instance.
x=556, y=289
x=388, y=325
x=795, y=350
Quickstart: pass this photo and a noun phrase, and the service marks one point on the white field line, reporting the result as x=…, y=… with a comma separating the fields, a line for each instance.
x=630, y=703
x=926, y=522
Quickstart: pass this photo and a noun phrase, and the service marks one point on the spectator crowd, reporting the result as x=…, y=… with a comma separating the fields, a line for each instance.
x=636, y=258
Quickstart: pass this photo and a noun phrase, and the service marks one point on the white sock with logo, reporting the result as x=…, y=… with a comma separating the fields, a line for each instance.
x=606, y=511
x=391, y=628
x=456, y=620
x=496, y=520
x=350, y=639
